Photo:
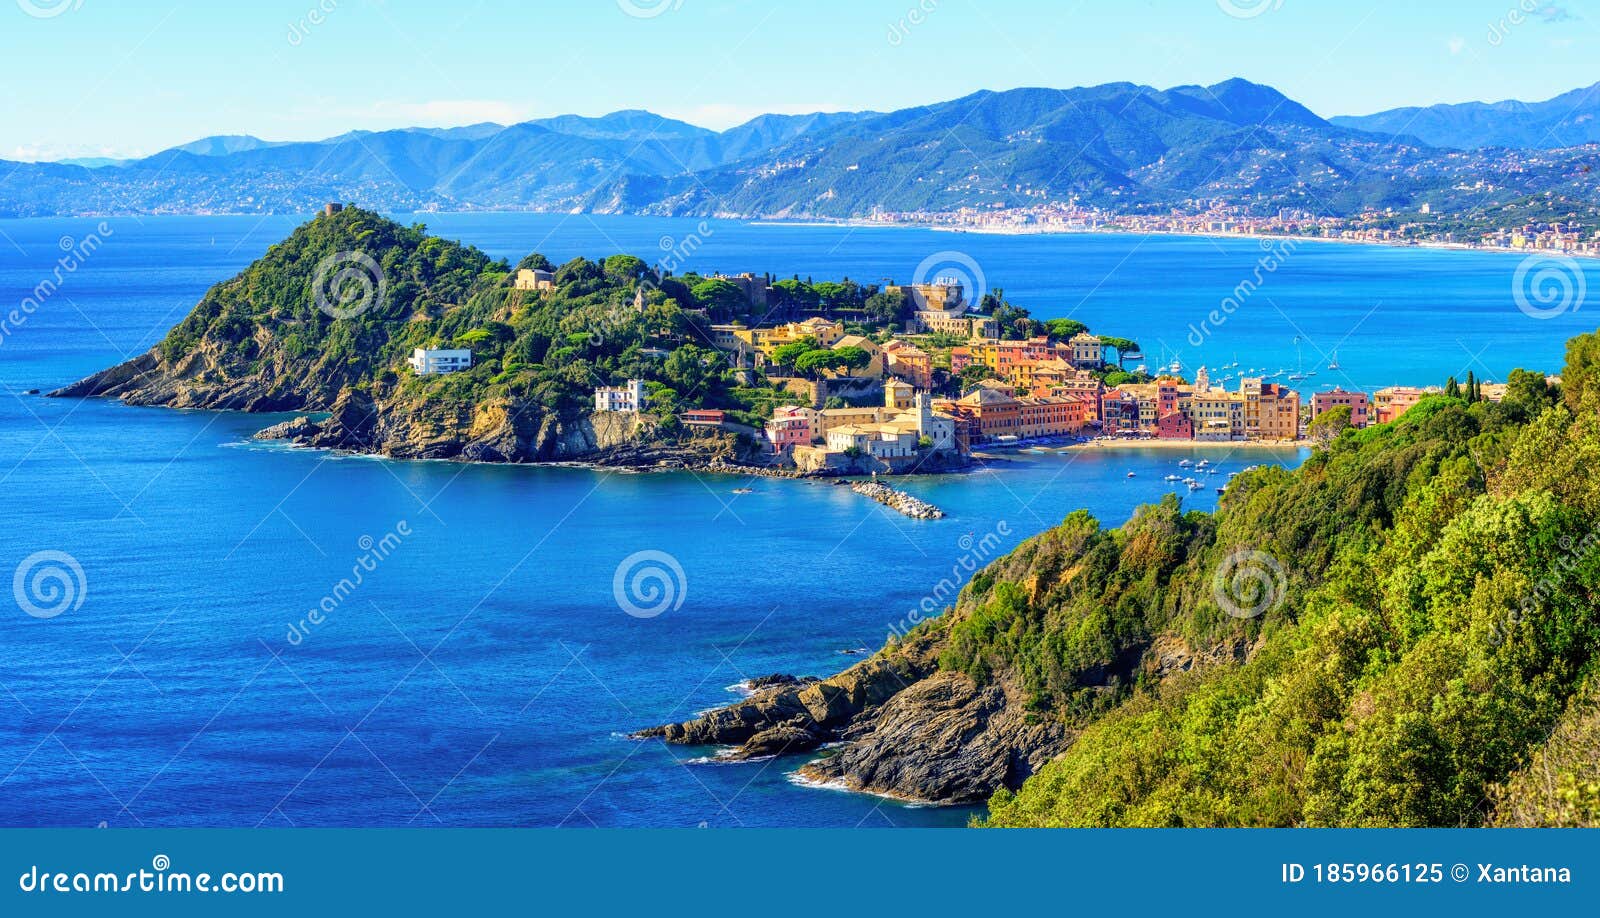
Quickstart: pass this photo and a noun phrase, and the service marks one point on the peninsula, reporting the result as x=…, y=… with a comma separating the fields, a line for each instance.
x=393, y=342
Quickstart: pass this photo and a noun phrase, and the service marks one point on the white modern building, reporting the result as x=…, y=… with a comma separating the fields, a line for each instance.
x=428, y=361
x=629, y=397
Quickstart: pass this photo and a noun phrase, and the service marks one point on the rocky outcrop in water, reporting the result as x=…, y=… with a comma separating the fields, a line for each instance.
x=944, y=739
x=905, y=730
x=293, y=429
x=914, y=507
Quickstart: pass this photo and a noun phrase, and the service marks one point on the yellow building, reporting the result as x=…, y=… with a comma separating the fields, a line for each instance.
x=878, y=360
x=535, y=279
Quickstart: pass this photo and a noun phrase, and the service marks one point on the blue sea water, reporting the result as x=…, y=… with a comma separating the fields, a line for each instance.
x=485, y=671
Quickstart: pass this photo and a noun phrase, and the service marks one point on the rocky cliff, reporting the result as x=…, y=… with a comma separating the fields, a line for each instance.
x=894, y=725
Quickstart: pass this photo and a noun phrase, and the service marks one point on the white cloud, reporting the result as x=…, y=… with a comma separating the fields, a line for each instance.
x=722, y=115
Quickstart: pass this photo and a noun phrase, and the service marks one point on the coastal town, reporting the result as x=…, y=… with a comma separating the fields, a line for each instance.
x=1424, y=226
x=927, y=394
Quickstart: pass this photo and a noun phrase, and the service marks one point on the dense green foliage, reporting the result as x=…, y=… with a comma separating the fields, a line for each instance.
x=1432, y=619
x=551, y=348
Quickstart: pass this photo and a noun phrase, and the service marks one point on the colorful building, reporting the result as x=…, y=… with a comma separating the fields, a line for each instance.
x=791, y=426
x=1174, y=425
x=1391, y=402
x=1357, y=402
x=1271, y=412
x=1087, y=351
x=910, y=363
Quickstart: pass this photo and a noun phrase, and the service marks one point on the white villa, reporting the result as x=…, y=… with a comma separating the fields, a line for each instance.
x=628, y=397
x=428, y=361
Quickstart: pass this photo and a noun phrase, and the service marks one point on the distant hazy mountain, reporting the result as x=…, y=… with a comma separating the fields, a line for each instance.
x=1101, y=144
x=225, y=144
x=1119, y=145
x=1568, y=120
x=92, y=162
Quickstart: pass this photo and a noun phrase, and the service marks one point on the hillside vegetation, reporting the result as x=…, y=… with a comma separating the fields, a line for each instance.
x=1428, y=657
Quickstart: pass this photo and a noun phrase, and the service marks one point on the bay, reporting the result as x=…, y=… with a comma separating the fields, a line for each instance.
x=485, y=670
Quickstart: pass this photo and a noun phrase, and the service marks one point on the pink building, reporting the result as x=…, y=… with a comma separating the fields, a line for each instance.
x=1175, y=426
x=1355, y=401
x=791, y=425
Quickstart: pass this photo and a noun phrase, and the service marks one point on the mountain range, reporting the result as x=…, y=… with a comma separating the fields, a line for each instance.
x=1120, y=146
x=1568, y=120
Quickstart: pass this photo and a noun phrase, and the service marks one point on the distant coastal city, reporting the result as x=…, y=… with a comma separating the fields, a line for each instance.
x=1420, y=227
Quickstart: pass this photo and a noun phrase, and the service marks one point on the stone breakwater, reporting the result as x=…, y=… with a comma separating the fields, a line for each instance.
x=913, y=507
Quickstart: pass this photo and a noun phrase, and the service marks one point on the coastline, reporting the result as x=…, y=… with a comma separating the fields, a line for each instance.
x=857, y=224
x=1187, y=444
x=1127, y=231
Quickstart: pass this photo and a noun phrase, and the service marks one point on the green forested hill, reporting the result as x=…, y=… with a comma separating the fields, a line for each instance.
x=1433, y=624
x=338, y=306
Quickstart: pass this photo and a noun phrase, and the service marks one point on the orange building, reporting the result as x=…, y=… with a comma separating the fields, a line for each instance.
x=910, y=363
x=1393, y=401
x=1051, y=416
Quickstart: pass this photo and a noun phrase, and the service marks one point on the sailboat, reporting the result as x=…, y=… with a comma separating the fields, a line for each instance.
x=1300, y=373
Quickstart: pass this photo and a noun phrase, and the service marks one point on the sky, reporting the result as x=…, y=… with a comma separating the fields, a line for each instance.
x=132, y=77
